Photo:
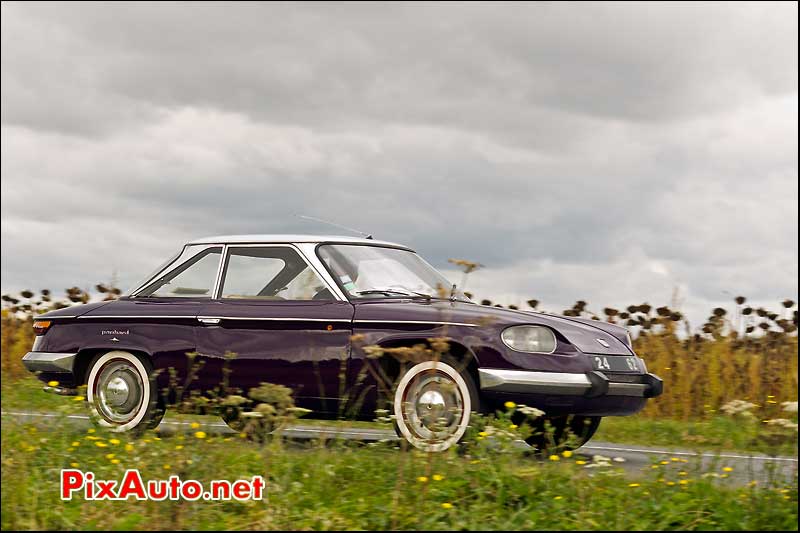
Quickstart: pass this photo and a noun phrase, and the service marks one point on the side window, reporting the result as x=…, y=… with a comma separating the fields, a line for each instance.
x=271, y=273
x=193, y=279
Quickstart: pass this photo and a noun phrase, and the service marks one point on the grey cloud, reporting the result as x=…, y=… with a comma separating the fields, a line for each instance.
x=579, y=151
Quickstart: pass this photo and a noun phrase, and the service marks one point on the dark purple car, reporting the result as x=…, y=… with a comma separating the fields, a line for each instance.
x=290, y=307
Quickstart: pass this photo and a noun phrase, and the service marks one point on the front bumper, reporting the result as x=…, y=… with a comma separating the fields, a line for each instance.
x=49, y=362
x=592, y=384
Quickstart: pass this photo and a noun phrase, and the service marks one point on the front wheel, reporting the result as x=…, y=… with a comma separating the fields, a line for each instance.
x=432, y=404
x=121, y=392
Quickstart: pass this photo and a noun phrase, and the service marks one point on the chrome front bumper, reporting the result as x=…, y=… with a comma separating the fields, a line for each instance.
x=589, y=385
x=49, y=362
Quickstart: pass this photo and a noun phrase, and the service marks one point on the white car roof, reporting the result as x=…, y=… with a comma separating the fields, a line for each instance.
x=272, y=238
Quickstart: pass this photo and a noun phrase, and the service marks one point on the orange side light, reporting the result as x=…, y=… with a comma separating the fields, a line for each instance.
x=40, y=327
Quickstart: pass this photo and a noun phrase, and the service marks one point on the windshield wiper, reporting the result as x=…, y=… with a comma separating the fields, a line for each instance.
x=403, y=292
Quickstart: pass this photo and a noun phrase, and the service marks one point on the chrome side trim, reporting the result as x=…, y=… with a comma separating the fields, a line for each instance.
x=501, y=380
x=137, y=316
x=273, y=319
x=431, y=322
x=49, y=362
x=42, y=317
x=218, y=280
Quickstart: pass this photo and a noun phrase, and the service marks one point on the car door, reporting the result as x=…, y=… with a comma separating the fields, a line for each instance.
x=281, y=321
x=161, y=317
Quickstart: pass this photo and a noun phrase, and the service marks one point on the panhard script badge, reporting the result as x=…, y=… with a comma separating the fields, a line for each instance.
x=604, y=343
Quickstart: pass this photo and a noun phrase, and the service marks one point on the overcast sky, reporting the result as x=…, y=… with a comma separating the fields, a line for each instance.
x=604, y=152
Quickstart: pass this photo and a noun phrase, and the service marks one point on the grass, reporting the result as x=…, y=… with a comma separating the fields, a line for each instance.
x=352, y=486
x=717, y=433
x=720, y=433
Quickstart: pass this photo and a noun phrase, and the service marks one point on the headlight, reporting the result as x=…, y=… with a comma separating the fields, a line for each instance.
x=534, y=339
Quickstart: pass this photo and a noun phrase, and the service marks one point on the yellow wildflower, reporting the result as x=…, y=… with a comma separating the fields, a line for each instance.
x=684, y=482
x=179, y=447
x=558, y=497
x=52, y=383
x=109, y=456
x=510, y=405
x=437, y=477
x=74, y=465
x=129, y=447
x=513, y=426
x=200, y=434
x=101, y=444
x=727, y=469
x=114, y=441
x=78, y=399
x=634, y=485
x=567, y=454
x=555, y=458
x=194, y=425
x=76, y=443
x=580, y=462
x=115, y=461
x=422, y=479
x=90, y=430
x=167, y=467
x=447, y=505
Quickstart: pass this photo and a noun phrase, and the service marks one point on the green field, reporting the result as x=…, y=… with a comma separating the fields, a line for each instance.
x=349, y=485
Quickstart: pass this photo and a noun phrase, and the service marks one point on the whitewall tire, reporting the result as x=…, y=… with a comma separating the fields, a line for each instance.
x=432, y=405
x=121, y=393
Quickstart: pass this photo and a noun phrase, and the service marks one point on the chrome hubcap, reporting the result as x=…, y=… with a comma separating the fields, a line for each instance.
x=432, y=406
x=118, y=392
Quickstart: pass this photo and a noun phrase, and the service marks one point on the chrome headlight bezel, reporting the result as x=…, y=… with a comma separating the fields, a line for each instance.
x=517, y=344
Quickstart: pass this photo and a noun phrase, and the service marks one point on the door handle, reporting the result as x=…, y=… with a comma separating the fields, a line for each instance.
x=208, y=321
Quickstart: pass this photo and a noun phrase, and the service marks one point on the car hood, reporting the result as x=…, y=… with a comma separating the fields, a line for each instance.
x=589, y=336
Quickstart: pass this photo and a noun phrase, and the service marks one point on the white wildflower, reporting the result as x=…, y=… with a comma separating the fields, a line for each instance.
x=530, y=412
x=738, y=407
x=782, y=423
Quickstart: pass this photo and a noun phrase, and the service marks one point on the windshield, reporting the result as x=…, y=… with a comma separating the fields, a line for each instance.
x=380, y=272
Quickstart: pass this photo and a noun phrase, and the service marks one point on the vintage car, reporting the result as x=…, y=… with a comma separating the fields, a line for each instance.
x=299, y=310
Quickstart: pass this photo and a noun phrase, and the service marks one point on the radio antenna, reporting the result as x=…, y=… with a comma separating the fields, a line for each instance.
x=315, y=219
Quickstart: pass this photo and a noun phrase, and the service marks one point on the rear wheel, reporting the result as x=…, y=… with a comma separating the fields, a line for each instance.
x=121, y=392
x=561, y=433
x=432, y=404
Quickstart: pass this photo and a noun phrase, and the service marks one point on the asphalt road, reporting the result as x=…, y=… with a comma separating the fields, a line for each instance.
x=635, y=459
